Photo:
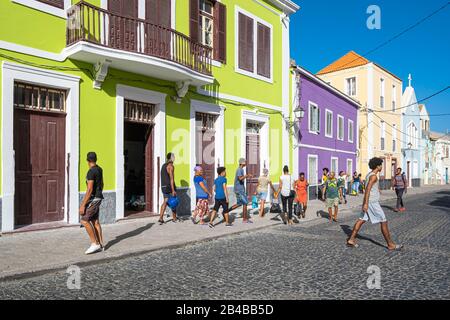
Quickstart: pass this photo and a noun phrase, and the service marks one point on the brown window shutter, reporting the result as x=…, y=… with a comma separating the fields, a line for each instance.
x=158, y=12
x=220, y=28
x=245, y=43
x=194, y=20
x=55, y=3
x=263, y=67
x=151, y=11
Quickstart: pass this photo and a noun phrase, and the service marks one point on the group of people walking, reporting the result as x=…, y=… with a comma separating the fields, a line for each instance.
x=292, y=191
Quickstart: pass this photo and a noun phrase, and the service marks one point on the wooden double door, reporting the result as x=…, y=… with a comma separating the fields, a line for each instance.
x=125, y=34
x=39, y=145
x=253, y=146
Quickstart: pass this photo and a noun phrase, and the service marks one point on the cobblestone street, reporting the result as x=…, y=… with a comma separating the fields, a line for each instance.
x=306, y=261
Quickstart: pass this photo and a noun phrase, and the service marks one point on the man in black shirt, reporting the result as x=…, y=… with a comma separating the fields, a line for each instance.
x=90, y=206
x=168, y=186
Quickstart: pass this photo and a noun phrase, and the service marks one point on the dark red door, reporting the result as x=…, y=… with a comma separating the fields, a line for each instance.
x=157, y=32
x=149, y=170
x=253, y=161
x=39, y=144
x=123, y=28
x=205, y=146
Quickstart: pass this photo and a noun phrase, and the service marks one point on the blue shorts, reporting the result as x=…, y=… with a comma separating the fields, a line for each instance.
x=241, y=198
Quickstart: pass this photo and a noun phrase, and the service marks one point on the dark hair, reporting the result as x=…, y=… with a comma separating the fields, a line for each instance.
x=326, y=169
x=301, y=174
x=220, y=170
x=375, y=162
x=169, y=155
x=399, y=169
x=285, y=169
x=91, y=157
x=341, y=172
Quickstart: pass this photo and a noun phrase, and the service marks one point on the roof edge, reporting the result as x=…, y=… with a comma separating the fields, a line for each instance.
x=287, y=6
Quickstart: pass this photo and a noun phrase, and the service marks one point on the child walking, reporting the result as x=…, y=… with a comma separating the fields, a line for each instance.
x=221, y=197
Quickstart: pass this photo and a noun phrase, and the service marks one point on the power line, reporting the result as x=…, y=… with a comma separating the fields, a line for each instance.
x=412, y=104
x=399, y=34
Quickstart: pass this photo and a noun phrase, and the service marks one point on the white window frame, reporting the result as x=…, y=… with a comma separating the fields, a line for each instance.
x=348, y=88
x=343, y=128
x=316, y=181
x=327, y=111
x=40, y=6
x=352, y=131
x=350, y=171
x=382, y=92
x=337, y=165
x=383, y=135
x=394, y=137
x=312, y=104
x=394, y=98
x=256, y=19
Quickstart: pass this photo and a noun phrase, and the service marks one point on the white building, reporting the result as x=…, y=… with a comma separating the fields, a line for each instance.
x=441, y=156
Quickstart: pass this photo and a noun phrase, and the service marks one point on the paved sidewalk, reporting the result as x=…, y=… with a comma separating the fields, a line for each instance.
x=22, y=254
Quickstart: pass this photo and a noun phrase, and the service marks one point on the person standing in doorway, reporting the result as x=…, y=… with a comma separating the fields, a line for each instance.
x=287, y=194
x=239, y=190
x=332, y=194
x=168, y=187
x=371, y=209
x=301, y=188
x=90, y=206
x=202, y=195
x=399, y=184
x=262, y=190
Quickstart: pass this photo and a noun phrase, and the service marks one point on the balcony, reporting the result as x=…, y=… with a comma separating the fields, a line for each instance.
x=108, y=40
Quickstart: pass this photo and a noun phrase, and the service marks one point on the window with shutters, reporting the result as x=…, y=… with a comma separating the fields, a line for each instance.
x=350, y=86
x=254, y=46
x=328, y=123
x=351, y=130
x=313, y=172
x=314, y=118
x=340, y=128
x=208, y=26
x=55, y=3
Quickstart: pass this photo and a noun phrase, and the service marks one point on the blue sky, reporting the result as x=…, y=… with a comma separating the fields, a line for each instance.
x=324, y=30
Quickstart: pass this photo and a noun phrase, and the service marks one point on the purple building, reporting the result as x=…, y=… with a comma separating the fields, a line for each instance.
x=328, y=133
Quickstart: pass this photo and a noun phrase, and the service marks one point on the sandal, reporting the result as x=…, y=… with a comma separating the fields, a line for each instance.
x=161, y=222
x=352, y=245
x=398, y=247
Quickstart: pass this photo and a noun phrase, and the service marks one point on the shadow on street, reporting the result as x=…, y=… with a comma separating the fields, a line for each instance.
x=348, y=231
x=127, y=235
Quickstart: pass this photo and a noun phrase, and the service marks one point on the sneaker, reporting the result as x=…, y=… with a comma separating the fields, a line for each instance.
x=193, y=220
x=210, y=225
x=247, y=221
x=402, y=209
x=93, y=248
x=228, y=225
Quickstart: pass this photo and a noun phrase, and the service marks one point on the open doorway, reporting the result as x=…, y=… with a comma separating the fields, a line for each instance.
x=138, y=158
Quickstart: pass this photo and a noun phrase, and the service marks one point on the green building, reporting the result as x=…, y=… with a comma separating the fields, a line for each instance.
x=132, y=80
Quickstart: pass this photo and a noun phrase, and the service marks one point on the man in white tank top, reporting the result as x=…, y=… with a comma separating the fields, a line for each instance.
x=371, y=209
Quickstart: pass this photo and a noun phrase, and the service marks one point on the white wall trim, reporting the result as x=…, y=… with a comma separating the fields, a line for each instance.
x=238, y=99
x=315, y=183
x=370, y=97
x=10, y=73
x=337, y=127
x=40, y=6
x=159, y=100
x=312, y=104
x=256, y=20
x=32, y=51
x=204, y=107
x=285, y=80
x=326, y=149
x=264, y=136
x=294, y=103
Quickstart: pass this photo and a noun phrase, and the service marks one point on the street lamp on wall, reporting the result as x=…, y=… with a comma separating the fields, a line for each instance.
x=299, y=114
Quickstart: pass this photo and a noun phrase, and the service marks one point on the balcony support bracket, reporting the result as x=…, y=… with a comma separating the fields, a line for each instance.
x=101, y=71
x=182, y=88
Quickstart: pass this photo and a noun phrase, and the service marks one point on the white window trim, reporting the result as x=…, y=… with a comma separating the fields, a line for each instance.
x=337, y=165
x=315, y=183
x=40, y=6
x=205, y=107
x=10, y=73
x=327, y=111
x=310, y=103
x=256, y=19
x=356, y=86
x=337, y=128
x=350, y=171
x=383, y=92
x=348, y=131
x=159, y=100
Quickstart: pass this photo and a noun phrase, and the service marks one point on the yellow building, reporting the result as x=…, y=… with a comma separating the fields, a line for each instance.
x=380, y=93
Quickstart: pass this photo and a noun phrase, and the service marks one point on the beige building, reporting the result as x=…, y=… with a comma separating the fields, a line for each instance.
x=380, y=93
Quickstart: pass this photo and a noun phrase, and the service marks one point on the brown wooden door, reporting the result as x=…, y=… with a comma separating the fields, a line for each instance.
x=206, y=147
x=123, y=32
x=157, y=32
x=253, y=161
x=39, y=144
x=149, y=170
